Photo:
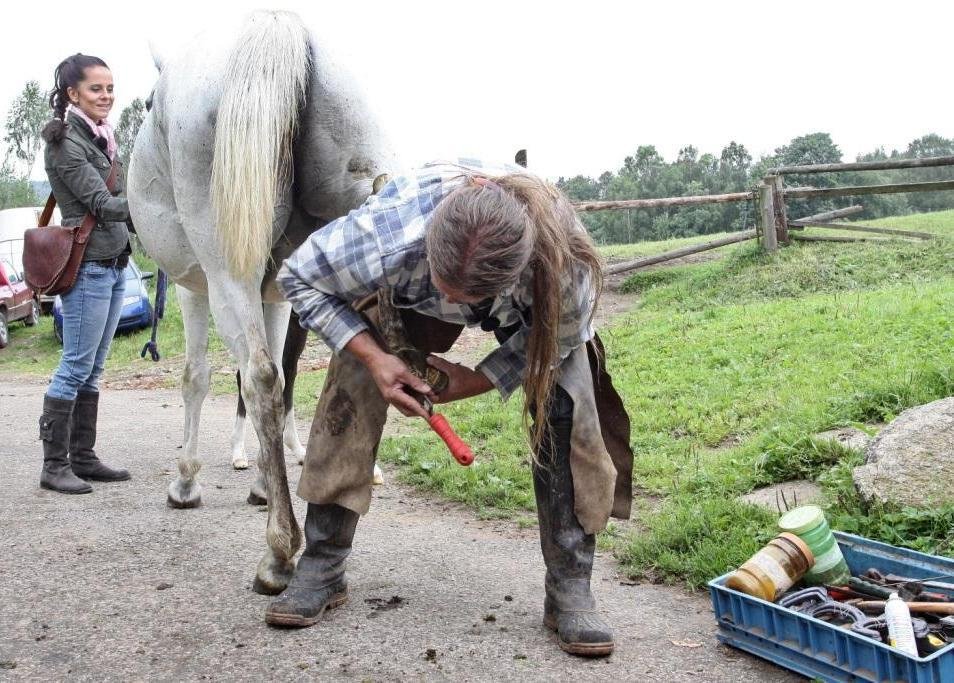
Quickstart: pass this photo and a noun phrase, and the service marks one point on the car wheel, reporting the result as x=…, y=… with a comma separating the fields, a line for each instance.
x=34, y=316
x=4, y=333
x=58, y=332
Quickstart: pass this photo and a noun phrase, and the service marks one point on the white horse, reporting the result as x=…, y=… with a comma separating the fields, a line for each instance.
x=294, y=346
x=254, y=139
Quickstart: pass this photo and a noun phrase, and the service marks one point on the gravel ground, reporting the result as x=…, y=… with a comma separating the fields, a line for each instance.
x=115, y=585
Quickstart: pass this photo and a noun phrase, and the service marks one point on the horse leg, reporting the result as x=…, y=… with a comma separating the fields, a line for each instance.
x=240, y=319
x=185, y=491
x=276, y=324
x=295, y=338
x=239, y=459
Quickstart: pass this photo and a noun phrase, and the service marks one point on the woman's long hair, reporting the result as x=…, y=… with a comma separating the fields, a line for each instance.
x=68, y=74
x=482, y=238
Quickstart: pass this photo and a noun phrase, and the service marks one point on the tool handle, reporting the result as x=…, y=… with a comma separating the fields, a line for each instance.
x=914, y=607
x=460, y=450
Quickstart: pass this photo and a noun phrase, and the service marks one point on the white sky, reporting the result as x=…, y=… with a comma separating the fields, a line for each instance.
x=579, y=84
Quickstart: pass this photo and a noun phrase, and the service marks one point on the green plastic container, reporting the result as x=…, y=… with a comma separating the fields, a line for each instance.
x=809, y=524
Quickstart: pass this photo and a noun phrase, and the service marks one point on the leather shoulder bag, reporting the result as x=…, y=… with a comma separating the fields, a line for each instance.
x=52, y=254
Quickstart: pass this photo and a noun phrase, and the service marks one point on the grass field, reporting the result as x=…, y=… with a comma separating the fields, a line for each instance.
x=728, y=369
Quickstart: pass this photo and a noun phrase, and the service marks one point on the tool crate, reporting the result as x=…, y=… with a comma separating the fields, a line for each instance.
x=818, y=649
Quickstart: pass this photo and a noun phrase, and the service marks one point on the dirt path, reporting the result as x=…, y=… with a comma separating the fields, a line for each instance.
x=116, y=585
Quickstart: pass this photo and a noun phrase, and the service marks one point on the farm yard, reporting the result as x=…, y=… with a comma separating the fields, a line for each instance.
x=730, y=364
x=777, y=319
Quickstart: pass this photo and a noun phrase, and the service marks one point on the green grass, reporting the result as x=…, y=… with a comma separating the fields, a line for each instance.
x=36, y=351
x=728, y=369
x=621, y=252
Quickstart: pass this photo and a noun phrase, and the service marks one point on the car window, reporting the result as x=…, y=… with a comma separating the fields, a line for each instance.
x=8, y=270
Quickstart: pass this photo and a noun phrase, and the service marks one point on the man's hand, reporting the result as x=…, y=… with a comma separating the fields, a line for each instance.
x=464, y=382
x=391, y=375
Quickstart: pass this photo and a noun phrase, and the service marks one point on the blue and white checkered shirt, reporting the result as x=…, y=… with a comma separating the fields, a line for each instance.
x=381, y=245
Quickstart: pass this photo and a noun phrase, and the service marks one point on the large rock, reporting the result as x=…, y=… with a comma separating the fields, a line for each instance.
x=911, y=462
x=780, y=497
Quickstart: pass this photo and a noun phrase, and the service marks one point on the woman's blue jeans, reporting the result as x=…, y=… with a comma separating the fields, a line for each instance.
x=91, y=312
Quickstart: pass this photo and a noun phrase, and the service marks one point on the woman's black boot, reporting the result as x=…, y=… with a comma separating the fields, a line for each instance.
x=319, y=582
x=569, y=607
x=57, y=475
x=82, y=439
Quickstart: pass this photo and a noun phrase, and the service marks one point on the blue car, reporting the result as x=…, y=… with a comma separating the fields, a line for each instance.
x=136, y=313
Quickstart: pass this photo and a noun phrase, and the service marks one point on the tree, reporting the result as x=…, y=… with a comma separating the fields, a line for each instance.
x=28, y=113
x=15, y=190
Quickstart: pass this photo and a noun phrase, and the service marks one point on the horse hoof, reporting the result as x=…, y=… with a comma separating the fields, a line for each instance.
x=240, y=463
x=184, y=495
x=378, y=477
x=257, y=495
x=272, y=575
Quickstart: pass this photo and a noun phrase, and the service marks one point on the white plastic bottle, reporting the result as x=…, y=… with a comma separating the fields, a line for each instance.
x=900, y=630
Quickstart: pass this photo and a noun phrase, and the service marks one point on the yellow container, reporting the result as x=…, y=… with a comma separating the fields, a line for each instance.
x=773, y=569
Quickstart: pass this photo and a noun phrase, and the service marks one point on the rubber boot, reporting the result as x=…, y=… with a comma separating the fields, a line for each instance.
x=569, y=607
x=319, y=582
x=57, y=475
x=82, y=439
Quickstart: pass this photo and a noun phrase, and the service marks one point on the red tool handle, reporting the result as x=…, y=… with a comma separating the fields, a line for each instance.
x=455, y=444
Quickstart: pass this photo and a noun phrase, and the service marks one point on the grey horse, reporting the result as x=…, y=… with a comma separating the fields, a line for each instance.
x=254, y=139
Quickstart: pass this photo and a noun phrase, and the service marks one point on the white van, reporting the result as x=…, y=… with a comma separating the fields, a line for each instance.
x=13, y=223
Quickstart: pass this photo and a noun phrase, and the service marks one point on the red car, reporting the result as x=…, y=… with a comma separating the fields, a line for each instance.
x=17, y=301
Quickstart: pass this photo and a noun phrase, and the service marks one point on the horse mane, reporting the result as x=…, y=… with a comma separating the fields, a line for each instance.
x=265, y=81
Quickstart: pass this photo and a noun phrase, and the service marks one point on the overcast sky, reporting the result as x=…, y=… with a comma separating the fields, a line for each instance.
x=579, y=84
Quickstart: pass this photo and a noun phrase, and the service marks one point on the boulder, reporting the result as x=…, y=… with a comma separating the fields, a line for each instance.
x=849, y=437
x=911, y=461
x=774, y=497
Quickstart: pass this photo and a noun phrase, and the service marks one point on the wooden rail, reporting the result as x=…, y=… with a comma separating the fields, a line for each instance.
x=865, y=228
x=886, y=165
x=677, y=253
x=893, y=188
x=665, y=201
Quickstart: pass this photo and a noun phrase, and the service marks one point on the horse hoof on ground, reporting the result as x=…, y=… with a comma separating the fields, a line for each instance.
x=258, y=495
x=240, y=462
x=378, y=477
x=296, y=451
x=272, y=575
x=183, y=495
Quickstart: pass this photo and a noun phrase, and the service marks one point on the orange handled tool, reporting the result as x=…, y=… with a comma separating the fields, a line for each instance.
x=460, y=450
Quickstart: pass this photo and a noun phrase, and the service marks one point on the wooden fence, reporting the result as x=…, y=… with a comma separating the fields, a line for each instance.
x=774, y=225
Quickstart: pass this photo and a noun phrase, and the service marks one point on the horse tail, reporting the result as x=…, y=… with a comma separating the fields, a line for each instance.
x=265, y=80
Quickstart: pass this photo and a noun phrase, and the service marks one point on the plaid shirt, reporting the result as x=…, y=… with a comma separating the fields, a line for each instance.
x=381, y=245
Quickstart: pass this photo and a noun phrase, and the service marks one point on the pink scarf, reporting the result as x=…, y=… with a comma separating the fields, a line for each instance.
x=103, y=129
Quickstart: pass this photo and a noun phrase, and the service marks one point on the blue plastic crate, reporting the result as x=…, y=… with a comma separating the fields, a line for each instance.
x=818, y=649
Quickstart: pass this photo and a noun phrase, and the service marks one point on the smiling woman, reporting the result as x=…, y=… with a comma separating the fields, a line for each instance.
x=80, y=155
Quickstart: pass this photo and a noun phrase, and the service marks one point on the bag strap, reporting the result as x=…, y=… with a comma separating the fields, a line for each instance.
x=47, y=213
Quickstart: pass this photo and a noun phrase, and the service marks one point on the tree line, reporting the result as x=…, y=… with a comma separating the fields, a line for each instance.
x=646, y=174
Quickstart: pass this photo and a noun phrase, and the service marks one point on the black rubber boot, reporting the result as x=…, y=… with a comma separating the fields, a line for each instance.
x=82, y=439
x=319, y=582
x=569, y=607
x=57, y=475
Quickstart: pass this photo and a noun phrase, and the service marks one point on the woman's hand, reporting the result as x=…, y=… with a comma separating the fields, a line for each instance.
x=391, y=375
x=464, y=382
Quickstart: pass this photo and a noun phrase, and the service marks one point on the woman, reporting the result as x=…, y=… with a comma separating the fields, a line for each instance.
x=80, y=153
x=465, y=245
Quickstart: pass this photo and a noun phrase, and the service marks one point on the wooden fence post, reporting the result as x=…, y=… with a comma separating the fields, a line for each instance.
x=781, y=215
x=767, y=216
